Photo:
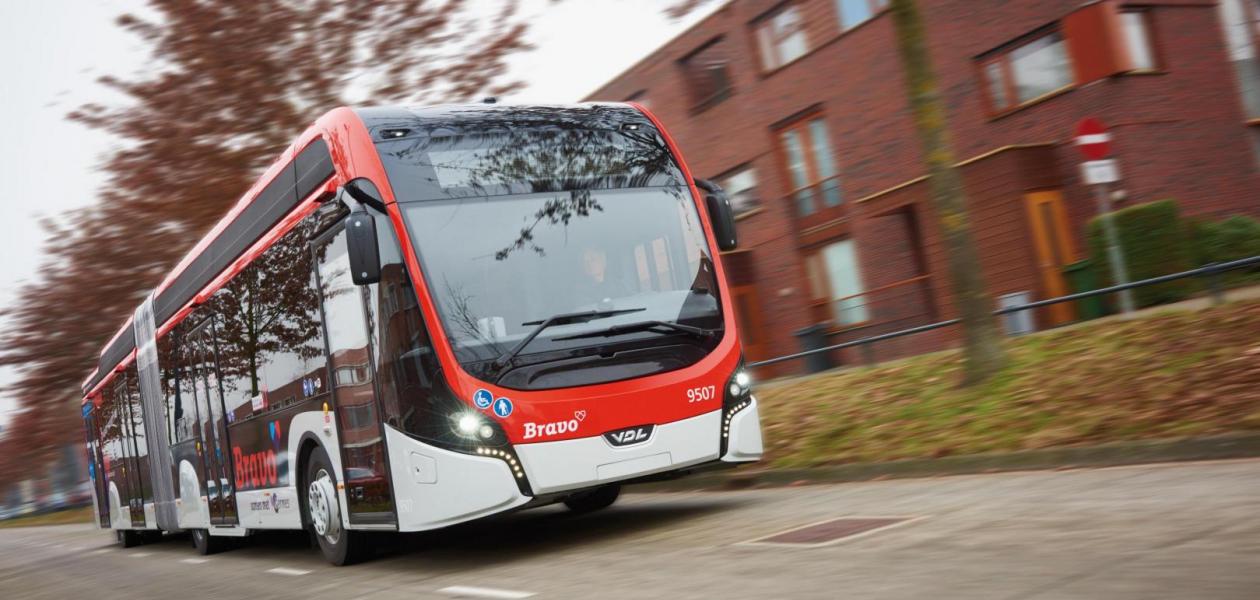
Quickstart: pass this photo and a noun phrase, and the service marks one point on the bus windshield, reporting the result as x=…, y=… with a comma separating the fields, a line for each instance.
x=508, y=247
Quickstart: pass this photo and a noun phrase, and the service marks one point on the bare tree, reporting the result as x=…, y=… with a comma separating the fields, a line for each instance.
x=982, y=343
x=230, y=85
x=981, y=339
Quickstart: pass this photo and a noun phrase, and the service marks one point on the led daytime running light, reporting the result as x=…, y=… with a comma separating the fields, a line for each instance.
x=506, y=457
x=726, y=423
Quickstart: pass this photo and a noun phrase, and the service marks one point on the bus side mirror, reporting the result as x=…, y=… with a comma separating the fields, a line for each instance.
x=361, y=246
x=721, y=217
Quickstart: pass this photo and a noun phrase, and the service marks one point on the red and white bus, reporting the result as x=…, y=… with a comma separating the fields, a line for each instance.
x=422, y=316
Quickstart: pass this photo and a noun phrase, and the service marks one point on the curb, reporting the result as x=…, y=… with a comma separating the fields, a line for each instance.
x=1227, y=446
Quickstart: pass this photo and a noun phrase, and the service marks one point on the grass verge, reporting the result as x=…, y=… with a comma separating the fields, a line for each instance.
x=70, y=516
x=1163, y=375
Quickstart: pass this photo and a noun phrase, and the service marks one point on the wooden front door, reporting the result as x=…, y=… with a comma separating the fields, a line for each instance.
x=1052, y=241
x=748, y=317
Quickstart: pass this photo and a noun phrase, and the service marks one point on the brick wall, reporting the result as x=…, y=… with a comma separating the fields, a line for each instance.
x=1178, y=134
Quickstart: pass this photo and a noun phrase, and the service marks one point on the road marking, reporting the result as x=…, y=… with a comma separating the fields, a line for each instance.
x=139, y=555
x=101, y=551
x=285, y=571
x=194, y=561
x=463, y=591
x=75, y=548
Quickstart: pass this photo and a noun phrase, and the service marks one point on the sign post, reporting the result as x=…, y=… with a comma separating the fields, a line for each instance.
x=1095, y=143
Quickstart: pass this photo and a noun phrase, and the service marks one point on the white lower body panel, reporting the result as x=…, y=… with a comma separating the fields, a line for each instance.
x=192, y=507
x=744, y=443
x=586, y=462
x=275, y=508
x=435, y=488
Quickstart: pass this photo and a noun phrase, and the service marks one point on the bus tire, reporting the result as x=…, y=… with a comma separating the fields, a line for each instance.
x=593, y=500
x=322, y=509
x=130, y=538
x=207, y=544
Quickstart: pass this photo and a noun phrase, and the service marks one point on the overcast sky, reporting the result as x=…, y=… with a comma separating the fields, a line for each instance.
x=52, y=51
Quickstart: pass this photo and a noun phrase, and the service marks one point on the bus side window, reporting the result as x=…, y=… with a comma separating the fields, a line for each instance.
x=269, y=336
x=167, y=360
x=292, y=364
x=185, y=410
x=406, y=365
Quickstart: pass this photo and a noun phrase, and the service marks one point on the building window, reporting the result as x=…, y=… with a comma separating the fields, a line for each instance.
x=351, y=375
x=782, y=37
x=1242, y=39
x=856, y=12
x=740, y=186
x=1137, y=38
x=811, y=166
x=708, y=76
x=836, y=279
x=1027, y=72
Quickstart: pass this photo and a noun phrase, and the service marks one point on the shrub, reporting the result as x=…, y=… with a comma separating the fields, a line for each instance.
x=1155, y=243
x=1234, y=238
x=1223, y=241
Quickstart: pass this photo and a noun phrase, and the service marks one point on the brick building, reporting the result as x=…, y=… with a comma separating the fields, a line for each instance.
x=798, y=108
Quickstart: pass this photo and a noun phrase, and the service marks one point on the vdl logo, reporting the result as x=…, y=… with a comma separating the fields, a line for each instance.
x=630, y=435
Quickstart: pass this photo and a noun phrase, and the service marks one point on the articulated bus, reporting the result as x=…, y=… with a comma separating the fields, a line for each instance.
x=419, y=317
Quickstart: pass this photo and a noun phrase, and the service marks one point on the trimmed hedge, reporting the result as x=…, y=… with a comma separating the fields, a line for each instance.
x=1153, y=237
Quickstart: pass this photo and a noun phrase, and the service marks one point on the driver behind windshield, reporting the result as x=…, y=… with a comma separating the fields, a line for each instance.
x=597, y=286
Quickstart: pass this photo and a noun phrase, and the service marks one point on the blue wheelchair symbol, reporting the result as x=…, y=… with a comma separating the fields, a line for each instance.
x=483, y=398
x=503, y=407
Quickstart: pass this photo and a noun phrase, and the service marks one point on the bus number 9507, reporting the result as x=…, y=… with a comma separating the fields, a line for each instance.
x=701, y=394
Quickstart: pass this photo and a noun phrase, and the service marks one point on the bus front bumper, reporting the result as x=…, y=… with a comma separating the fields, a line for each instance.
x=587, y=462
x=435, y=488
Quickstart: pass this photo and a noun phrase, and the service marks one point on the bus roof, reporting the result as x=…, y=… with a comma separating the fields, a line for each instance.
x=298, y=171
x=303, y=167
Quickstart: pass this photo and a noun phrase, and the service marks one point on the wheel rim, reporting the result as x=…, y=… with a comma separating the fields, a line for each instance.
x=321, y=500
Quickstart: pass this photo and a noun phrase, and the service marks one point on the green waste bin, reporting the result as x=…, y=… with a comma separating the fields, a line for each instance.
x=1082, y=277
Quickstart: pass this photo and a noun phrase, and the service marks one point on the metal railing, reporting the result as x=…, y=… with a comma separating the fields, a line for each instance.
x=1211, y=273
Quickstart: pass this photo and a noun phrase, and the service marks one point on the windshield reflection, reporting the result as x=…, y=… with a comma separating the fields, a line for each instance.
x=522, y=214
x=643, y=249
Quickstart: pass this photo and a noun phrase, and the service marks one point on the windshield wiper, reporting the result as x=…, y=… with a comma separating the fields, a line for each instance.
x=561, y=319
x=699, y=332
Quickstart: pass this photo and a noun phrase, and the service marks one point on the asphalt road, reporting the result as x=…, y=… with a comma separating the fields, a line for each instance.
x=1162, y=531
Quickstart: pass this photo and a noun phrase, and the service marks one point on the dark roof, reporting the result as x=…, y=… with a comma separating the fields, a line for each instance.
x=454, y=119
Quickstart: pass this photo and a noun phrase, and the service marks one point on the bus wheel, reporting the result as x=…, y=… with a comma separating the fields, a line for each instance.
x=130, y=538
x=206, y=543
x=323, y=511
x=600, y=497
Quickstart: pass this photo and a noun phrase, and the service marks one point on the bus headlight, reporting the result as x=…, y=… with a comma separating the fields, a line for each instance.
x=741, y=384
x=471, y=426
x=467, y=425
x=738, y=397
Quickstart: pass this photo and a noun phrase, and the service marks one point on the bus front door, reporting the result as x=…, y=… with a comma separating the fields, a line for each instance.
x=213, y=446
x=365, y=472
x=96, y=465
x=131, y=473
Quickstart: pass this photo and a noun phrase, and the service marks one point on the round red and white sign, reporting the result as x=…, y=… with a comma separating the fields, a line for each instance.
x=1092, y=139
